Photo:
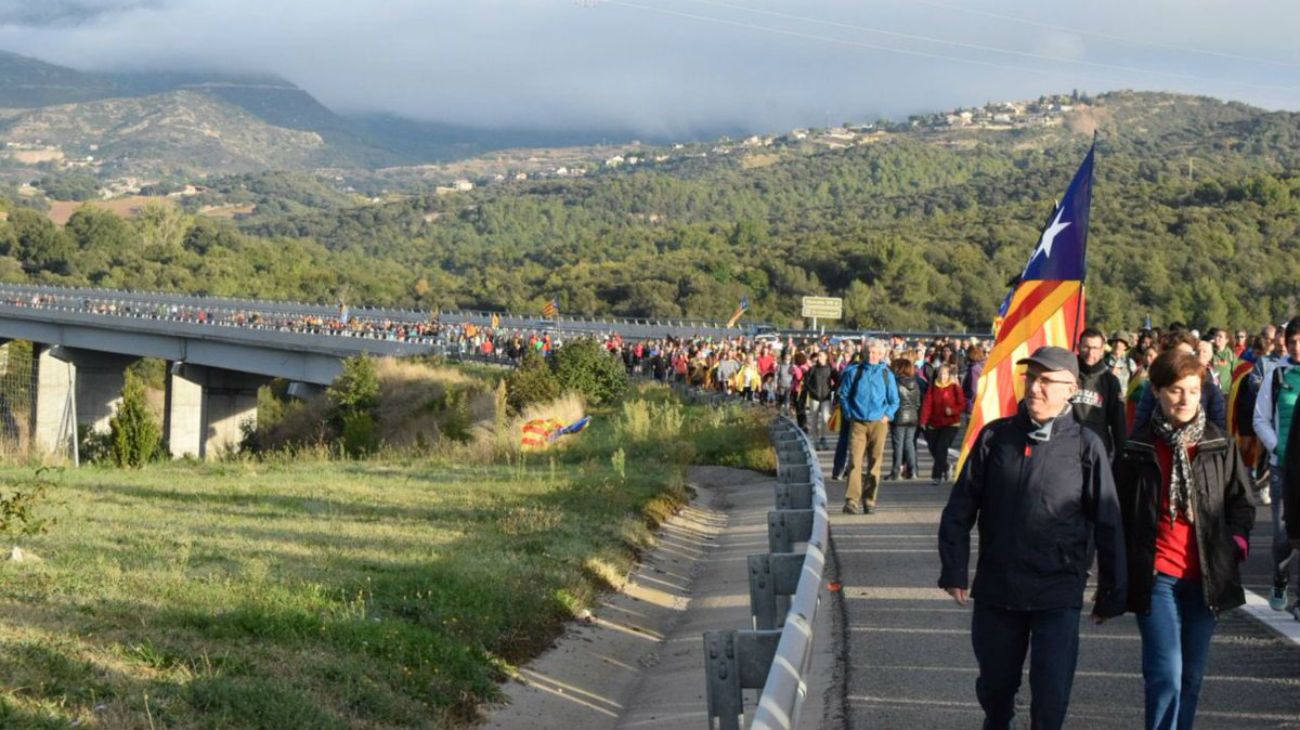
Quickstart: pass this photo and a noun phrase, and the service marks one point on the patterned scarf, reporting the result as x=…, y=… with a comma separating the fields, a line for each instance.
x=1178, y=439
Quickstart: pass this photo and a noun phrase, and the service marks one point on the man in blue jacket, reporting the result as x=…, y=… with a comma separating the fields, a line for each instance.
x=1039, y=484
x=868, y=396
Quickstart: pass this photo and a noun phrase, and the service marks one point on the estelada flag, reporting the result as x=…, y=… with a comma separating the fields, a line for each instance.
x=1045, y=307
x=537, y=433
x=551, y=308
x=744, y=307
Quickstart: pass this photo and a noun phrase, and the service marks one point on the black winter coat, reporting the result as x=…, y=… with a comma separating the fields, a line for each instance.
x=819, y=382
x=1038, y=505
x=1099, y=405
x=1219, y=482
x=909, y=403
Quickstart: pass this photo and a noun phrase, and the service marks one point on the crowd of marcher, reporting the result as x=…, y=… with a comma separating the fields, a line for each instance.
x=1146, y=451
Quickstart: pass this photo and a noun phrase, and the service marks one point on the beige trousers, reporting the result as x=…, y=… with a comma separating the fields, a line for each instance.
x=866, y=440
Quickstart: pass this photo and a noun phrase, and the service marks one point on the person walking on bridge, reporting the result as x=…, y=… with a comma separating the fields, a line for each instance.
x=941, y=414
x=819, y=389
x=1099, y=401
x=869, y=396
x=1182, y=489
x=1039, y=484
x=1275, y=409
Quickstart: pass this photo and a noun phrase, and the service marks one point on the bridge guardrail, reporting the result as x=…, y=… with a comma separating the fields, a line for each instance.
x=775, y=655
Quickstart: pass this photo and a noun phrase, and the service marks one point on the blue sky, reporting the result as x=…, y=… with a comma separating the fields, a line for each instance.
x=682, y=67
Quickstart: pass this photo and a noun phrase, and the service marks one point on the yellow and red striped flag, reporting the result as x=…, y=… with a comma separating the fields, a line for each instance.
x=1045, y=307
x=744, y=307
x=551, y=308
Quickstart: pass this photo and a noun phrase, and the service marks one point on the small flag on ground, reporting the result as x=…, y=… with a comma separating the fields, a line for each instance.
x=744, y=307
x=551, y=308
x=537, y=433
x=575, y=427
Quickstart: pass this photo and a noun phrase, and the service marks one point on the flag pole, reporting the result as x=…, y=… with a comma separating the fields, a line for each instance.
x=1083, y=277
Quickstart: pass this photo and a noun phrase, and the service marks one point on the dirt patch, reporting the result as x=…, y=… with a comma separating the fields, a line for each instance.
x=227, y=212
x=1088, y=120
x=33, y=157
x=126, y=207
x=750, y=162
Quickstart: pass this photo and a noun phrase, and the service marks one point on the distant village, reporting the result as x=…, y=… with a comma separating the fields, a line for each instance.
x=1046, y=111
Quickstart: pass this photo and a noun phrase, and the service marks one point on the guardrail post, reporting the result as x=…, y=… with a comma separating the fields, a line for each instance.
x=785, y=527
x=737, y=661
x=794, y=496
x=771, y=577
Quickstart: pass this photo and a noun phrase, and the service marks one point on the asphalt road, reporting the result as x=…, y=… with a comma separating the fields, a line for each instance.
x=909, y=662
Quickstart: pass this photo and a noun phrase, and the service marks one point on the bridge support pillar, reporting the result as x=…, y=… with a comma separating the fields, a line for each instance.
x=207, y=409
x=53, y=422
x=100, y=377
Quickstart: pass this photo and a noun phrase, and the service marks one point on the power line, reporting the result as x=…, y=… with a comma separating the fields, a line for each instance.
x=977, y=46
x=902, y=51
x=1106, y=36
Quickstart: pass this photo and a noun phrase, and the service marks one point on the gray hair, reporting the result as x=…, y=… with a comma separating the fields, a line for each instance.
x=877, y=343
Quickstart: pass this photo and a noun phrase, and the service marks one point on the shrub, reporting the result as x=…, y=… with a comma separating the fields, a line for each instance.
x=531, y=382
x=136, y=435
x=19, y=506
x=94, y=447
x=355, y=390
x=585, y=366
x=360, y=435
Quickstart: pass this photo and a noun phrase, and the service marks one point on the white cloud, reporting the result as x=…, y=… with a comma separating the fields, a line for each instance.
x=560, y=64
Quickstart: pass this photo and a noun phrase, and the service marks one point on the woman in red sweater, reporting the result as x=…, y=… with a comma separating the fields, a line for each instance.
x=1182, y=488
x=940, y=416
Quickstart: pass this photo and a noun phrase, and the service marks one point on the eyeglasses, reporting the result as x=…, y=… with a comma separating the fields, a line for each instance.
x=1032, y=379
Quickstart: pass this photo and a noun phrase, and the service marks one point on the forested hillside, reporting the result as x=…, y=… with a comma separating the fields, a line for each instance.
x=1196, y=217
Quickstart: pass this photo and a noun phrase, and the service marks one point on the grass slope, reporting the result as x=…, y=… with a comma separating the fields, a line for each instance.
x=322, y=594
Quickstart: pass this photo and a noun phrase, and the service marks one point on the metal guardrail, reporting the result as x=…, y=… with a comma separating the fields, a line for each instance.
x=775, y=655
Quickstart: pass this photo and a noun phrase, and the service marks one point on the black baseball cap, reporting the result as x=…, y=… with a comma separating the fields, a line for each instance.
x=1053, y=358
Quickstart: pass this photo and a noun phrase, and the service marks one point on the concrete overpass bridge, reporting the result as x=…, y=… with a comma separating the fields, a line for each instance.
x=215, y=368
x=221, y=350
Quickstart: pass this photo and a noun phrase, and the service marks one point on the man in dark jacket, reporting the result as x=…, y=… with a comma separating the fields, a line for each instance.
x=1039, y=484
x=1099, y=402
x=819, y=385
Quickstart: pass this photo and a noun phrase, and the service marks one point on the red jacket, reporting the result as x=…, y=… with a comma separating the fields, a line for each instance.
x=937, y=399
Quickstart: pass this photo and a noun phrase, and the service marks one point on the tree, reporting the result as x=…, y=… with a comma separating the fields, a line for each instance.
x=354, y=395
x=135, y=434
x=162, y=226
x=531, y=382
x=586, y=367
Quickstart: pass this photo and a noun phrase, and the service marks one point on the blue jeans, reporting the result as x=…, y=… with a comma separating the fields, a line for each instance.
x=1175, y=642
x=903, y=439
x=1001, y=638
